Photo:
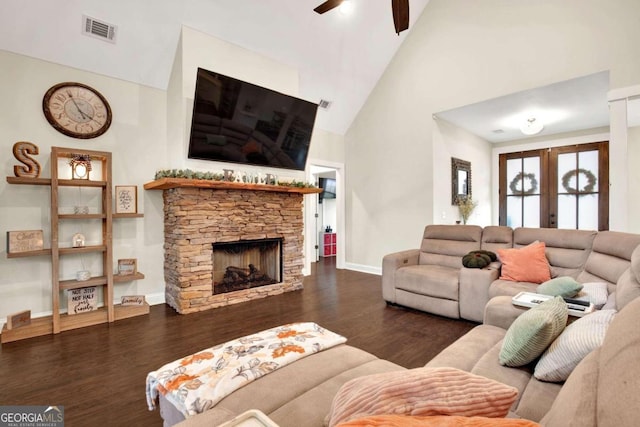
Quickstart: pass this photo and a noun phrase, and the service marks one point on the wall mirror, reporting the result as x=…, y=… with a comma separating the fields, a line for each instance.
x=460, y=179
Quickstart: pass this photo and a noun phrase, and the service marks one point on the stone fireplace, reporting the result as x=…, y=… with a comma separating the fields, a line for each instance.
x=202, y=217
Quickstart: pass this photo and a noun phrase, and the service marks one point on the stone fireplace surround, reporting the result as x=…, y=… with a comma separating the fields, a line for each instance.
x=199, y=213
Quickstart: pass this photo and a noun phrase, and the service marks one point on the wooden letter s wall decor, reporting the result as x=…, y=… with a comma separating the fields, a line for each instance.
x=23, y=151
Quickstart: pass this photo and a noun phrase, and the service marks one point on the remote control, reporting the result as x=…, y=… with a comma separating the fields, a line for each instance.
x=576, y=307
x=577, y=302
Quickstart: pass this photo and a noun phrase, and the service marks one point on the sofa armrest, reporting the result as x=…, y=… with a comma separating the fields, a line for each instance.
x=501, y=312
x=474, y=290
x=390, y=264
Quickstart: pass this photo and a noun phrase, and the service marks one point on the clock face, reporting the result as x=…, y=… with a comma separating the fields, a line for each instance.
x=77, y=110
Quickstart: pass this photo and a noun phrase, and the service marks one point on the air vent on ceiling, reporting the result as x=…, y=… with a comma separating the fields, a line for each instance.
x=498, y=131
x=99, y=29
x=324, y=104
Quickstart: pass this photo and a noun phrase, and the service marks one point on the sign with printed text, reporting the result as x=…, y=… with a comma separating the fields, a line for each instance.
x=133, y=300
x=82, y=300
x=31, y=416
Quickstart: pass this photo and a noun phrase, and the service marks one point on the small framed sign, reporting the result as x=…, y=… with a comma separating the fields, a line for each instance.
x=16, y=320
x=127, y=266
x=82, y=300
x=132, y=300
x=126, y=199
x=24, y=241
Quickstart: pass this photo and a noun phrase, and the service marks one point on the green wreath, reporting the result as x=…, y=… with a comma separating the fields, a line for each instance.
x=591, y=181
x=513, y=185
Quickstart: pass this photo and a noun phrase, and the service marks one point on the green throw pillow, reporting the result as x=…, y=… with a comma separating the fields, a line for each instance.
x=533, y=331
x=563, y=286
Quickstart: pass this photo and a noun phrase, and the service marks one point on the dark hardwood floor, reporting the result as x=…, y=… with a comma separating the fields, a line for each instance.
x=98, y=373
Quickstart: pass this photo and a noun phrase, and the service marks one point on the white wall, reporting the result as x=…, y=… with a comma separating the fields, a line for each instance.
x=451, y=141
x=148, y=133
x=458, y=53
x=634, y=178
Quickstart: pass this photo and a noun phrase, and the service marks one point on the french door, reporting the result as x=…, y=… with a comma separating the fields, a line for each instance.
x=560, y=187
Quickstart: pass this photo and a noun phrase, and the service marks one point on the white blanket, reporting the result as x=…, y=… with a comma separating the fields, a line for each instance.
x=198, y=382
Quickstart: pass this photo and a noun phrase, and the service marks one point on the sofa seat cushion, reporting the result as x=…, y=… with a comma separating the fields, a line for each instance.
x=432, y=280
x=477, y=352
x=508, y=288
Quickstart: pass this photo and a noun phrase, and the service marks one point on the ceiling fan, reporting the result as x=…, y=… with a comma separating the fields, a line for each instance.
x=400, y=12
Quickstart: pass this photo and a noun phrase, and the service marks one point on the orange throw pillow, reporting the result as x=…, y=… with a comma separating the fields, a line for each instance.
x=421, y=391
x=528, y=264
x=436, y=421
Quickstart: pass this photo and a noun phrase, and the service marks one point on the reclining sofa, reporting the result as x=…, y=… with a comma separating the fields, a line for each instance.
x=432, y=278
x=602, y=390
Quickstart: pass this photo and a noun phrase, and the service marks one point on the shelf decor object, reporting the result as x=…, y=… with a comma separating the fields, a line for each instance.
x=82, y=309
x=80, y=166
x=127, y=266
x=23, y=151
x=78, y=240
x=126, y=199
x=24, y=241
x=82, y=300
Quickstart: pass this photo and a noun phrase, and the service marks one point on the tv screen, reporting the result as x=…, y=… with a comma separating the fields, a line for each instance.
x=239, y=122
x=328, y=186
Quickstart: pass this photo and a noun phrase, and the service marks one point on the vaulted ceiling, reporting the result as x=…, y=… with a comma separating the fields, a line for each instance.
x=340, y=58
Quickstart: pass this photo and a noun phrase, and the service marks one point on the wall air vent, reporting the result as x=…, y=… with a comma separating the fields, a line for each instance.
x=324, y=104
x=98, y=29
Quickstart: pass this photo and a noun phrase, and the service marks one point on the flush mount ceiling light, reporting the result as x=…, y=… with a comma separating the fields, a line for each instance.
x=346, y=7
x=532, y=126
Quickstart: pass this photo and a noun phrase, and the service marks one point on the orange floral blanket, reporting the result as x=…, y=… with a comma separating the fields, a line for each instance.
x=198, y=382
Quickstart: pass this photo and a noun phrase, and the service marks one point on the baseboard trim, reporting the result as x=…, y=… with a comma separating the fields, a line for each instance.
x=155, y=299
x=363, y=268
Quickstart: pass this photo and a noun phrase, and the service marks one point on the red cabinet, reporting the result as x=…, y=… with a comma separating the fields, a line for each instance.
x=328, y=244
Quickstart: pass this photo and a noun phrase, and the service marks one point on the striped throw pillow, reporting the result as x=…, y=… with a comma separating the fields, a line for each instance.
x=421, y=391
x=573, y=345
x=533, y=331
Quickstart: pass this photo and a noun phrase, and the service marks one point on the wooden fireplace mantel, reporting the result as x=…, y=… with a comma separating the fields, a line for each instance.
x=168, y=183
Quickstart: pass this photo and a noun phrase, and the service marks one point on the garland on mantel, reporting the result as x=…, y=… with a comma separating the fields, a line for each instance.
x=231, y=176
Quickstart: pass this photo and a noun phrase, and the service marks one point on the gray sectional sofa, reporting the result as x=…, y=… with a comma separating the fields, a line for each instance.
x=432, y=278
x=601, y=391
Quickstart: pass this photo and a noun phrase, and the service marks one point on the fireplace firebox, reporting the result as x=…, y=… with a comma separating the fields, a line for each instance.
x=246, y=264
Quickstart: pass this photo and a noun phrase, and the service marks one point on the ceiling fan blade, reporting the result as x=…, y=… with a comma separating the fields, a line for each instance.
x=327, y=6
x=400, y=14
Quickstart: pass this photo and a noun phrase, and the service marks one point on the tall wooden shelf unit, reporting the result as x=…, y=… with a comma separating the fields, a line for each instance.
x=109, y=312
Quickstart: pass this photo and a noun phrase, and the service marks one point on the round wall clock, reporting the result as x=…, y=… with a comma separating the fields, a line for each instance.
x=77, y=110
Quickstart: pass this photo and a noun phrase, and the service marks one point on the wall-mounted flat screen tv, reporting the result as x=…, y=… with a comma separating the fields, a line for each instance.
x=239, y=122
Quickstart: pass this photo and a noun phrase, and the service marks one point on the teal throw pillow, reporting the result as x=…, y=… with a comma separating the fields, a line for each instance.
x=563, y=286
x=533, y=331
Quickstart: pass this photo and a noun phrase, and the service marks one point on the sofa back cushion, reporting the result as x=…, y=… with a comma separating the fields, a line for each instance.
x=628, y=286
x=445, y=245
x=609, y=258
x=566, y=250
x=496, y=237
x=618, y=395
x=603, y=389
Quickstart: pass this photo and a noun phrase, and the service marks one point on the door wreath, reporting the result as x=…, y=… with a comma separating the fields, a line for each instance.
x=522, y=177
x=591, y=181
